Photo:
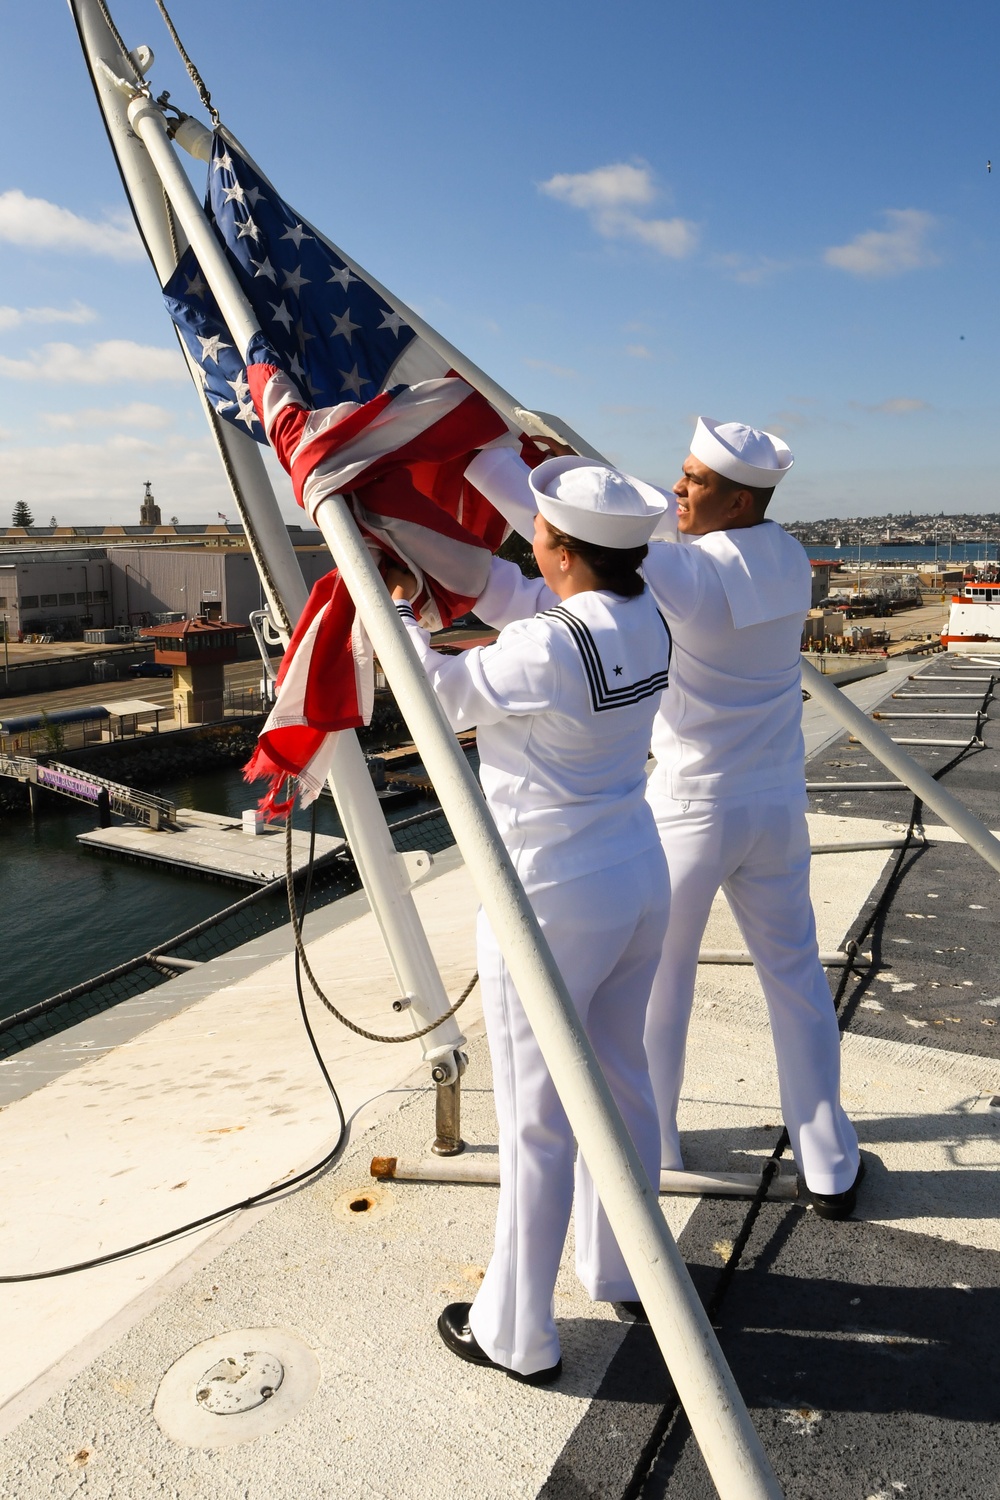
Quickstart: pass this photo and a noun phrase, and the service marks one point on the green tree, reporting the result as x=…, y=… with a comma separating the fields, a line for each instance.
x=55, y=735
x=22, y=515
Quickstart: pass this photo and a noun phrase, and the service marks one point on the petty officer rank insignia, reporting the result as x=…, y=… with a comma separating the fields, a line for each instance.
x=602, y=695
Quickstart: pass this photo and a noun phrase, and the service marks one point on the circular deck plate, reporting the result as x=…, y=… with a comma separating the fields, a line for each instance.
x=245, y=1412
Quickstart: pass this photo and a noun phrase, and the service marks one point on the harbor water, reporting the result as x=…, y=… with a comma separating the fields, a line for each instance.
x=70, y=914
x=921, y=559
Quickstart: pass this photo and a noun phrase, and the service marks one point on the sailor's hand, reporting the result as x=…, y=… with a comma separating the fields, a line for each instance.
x=399, y=581
x=553, y=448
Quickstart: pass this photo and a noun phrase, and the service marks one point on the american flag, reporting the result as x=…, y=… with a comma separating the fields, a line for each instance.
x=354, y=402
x=331, y=331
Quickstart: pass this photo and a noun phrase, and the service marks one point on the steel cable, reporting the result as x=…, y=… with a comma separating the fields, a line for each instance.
x=302, y=958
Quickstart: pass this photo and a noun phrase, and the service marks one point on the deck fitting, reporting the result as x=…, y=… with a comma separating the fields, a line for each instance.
x=235, y=1387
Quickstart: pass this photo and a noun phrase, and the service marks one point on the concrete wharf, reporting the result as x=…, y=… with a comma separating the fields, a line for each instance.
x=212, y=845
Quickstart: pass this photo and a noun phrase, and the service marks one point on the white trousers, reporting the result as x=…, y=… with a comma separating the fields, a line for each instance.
x=757, y=849
x=606, y=932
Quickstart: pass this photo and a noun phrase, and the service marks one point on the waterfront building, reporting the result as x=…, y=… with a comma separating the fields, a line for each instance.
x=133, y=579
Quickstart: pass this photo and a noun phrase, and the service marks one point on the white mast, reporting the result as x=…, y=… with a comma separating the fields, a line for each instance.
x=383, y=871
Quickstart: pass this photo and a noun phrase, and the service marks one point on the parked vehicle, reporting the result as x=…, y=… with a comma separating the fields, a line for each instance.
x=150, y=669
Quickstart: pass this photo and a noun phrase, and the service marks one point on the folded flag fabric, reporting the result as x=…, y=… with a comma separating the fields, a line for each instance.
x=403, y=454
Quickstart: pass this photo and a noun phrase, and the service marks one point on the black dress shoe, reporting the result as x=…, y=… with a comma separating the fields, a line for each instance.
x=838, y=1205
x=636, y=1311
x=453, y=1326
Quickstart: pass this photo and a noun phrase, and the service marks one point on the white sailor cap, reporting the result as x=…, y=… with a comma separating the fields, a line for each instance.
x=596, y=503
x=757, y=459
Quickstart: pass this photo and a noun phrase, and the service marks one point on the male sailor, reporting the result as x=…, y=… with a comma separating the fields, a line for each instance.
x=728, y=792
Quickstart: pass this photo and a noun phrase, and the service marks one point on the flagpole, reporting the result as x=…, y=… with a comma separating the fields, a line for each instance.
x=718, y=1416
x=381, y=868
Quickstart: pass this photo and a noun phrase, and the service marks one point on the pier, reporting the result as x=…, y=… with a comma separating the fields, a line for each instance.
x=212, y=845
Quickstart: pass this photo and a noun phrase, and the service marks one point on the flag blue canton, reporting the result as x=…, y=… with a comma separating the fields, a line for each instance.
x=328, y=328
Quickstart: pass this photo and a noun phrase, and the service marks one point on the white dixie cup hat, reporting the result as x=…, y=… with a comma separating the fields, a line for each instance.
x=756, y=459
x=595, y=503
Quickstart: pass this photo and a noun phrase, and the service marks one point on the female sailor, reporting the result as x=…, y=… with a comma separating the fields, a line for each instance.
x=564, y=702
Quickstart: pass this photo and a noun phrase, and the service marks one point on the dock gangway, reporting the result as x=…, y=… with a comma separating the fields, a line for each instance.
x=85, y=786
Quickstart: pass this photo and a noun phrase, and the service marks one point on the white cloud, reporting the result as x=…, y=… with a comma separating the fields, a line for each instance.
x=141, y=414
x=638, y=351
x=36, y=224
x=749, y=270
x=676, y=238
x=895, y=406
x=16, y=317
x=605, y=187
x=92, y=483
x=550, y=369
x=901, y=246
x=610, y=196
x=101, y=364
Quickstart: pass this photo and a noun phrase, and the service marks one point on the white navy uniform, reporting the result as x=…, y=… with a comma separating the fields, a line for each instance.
x=728, y=794
x=563, y=703
x=729, y=798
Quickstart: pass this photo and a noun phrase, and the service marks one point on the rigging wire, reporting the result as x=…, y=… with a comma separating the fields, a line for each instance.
x=193, y=73
x=126, y=54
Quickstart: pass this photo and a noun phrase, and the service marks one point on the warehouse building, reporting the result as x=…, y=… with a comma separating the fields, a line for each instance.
x=64, y=591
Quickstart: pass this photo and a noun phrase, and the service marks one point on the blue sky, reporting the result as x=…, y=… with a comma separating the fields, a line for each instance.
x=779, y=214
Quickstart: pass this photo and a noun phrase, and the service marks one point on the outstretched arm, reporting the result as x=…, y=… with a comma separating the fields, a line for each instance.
x=483, y=685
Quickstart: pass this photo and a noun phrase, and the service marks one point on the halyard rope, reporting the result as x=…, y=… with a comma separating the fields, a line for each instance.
x=370, y=1036
x=193, y=73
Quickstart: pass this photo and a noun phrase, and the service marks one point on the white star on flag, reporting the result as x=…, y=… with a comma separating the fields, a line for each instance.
x=393, y=322
x=296, y=234
x=210, y=347
x=343, y=277
x=352, y=381
x=343, y=326
x=294, y=281
x=265, y=268
x=281, y=314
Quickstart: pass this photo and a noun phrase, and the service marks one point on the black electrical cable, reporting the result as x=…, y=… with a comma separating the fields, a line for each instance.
x=327, y=1161
x=642, y=1474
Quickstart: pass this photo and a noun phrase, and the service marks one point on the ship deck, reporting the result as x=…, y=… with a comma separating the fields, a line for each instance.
x=866, y=1350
